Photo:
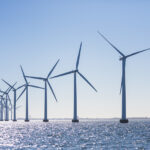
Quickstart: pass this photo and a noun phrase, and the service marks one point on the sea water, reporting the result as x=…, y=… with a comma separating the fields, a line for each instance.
x=65, y=135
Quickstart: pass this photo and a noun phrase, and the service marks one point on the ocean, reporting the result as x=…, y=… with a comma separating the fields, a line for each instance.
x=94, y=134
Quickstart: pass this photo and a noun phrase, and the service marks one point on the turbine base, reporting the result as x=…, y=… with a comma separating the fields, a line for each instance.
x=75, y=120
x=26, y=120
x=124, y=121
x=45, y=120
x=14, y=120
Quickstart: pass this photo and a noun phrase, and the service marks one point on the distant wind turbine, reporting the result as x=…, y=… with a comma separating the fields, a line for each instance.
x=123, y=82
x=9, y=107
x=1, y=107
x=27, y=85
x=6, y=102
x=75, y=72
x=46, y=82
x=2, y=103
x=15, y=98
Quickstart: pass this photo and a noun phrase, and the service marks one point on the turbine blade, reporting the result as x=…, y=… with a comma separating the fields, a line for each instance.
x=7, y=90
x=23, y=74
x=110, y=43
x=9, y=100
x=35, y=86
x=21, y=86
x=11, y=88
x=121, y=85
x=123, y=76
x=2, y=92
x=87, y=81
x=38, y=78
x=138, y=52
x=78, y=58
x=7, y=83
x=52, y=90
x=66, y=73
x=52, y=69
x=21, y=94
x=4, y=101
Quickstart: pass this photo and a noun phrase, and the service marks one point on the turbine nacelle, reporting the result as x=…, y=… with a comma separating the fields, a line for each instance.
x=121, y=58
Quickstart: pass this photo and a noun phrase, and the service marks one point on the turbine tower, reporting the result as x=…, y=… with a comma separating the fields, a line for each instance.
x=123, y=82
x=10, y=108
x=15, y=97
x=46, y=82
x=27, y=85
x=75, y=72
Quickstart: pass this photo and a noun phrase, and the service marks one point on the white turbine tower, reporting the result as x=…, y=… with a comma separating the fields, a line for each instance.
x=75, y=72
x=27, y=85
x=46, y=82
x=123, y=82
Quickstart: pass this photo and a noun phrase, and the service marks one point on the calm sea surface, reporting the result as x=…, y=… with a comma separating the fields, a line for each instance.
x=87, y=134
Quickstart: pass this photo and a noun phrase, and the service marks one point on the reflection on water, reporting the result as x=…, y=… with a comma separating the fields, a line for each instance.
x=87, y=134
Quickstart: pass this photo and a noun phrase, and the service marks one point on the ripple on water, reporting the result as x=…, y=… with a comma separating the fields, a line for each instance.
x=87, y=134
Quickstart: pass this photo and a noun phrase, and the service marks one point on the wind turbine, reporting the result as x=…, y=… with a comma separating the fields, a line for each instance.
x=15, y=98
x=2, y=103
x=27, y=85
x=46, y=82
x=9, y=106
x=6, y=103
x=123, y=82
x=75, y=72
x=1, y=107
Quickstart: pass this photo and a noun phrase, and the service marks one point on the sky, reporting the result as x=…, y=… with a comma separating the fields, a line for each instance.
x=35, y=34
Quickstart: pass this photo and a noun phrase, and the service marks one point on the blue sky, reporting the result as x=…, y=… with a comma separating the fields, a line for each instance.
x=36, y=33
